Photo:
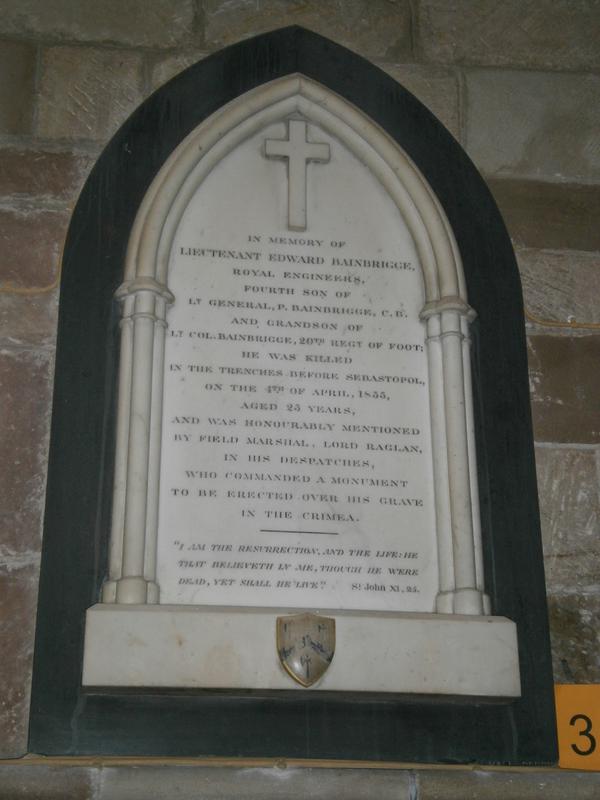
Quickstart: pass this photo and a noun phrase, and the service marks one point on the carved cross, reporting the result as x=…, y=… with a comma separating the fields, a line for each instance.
x=298, y=152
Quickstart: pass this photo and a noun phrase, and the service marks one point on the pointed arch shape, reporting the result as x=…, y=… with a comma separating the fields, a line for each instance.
x=164, y=203
x=146, y=295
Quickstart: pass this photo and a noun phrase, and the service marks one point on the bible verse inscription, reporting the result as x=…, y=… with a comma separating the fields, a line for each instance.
x=296, y=459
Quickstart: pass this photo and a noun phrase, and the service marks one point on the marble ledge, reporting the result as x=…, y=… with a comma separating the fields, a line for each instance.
x=217, y=647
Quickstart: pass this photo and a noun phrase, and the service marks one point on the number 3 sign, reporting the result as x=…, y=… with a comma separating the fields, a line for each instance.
x=578, y=722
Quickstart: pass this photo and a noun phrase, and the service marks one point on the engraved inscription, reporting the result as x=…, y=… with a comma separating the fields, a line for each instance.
x=296, y=456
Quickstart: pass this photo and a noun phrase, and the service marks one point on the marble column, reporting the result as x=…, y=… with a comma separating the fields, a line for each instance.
x=455, y=478
x=132, y=577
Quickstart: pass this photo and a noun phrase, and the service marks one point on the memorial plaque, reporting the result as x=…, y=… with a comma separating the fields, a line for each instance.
x=296, y=464
x=291, y=500
x=295, y=425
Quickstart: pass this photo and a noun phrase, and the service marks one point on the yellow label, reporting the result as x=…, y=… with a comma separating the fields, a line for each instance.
x=578, y=723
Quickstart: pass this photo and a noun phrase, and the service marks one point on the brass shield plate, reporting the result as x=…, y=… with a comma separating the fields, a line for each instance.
x=305, y=644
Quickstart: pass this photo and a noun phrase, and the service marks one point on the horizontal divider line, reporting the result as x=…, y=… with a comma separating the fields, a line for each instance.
x=317, y=533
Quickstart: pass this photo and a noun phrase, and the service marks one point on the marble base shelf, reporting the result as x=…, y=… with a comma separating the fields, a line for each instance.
x=216, y=647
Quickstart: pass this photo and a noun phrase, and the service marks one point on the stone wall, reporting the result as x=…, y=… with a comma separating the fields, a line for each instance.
x=516, y=82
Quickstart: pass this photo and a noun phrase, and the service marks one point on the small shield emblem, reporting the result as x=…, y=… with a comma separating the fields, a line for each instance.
x=305, y=644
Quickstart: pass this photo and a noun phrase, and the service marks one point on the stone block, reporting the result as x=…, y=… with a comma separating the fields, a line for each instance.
x=46, y=782
x=551, y=784
x=32, y=244
x=87, y=93
x=25, y=392
x=218, y=783
x=147, y=23
x=577, y=573
x=164, y=68
x=534, y=125
x=569, y=500
x=42, y=174
x=17, y=74
x=373, y=28
x=21, y=536
x=570, y=516
x=28, y=320
x=18, y=598
x=549, y=216
x=575, y=637
x=561, y=286
x=565, y=386
x=435, y=87
x=553, y=34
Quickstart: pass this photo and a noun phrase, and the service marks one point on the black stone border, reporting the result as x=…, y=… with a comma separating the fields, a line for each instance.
x=65, y=719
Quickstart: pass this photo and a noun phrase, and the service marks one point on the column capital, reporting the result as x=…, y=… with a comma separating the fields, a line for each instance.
x=448, y=303
x=143, y=283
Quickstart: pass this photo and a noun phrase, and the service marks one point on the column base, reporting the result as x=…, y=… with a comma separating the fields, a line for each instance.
x=130, y=590
x=463, y=601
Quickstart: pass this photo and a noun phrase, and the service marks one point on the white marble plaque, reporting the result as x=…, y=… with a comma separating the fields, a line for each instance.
x=299, y=435
x=296, y=466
